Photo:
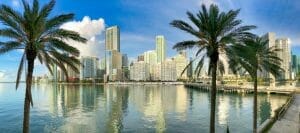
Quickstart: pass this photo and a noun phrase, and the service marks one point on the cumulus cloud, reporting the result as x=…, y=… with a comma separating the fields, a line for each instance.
x=92, y=30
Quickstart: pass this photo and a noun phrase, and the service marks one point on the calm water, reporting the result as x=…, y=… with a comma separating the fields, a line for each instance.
x=153, y=108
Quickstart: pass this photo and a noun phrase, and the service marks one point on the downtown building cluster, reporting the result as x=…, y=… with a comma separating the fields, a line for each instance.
x=150, y=66
x=110, y=68
x=285, y=54
x=153, y=65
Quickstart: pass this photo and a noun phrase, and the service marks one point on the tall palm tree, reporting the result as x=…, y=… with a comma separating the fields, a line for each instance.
x=254, y=55
x=214, y=31
x=40, y=37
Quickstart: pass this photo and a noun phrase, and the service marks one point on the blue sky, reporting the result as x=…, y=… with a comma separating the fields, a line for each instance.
x=141, y=20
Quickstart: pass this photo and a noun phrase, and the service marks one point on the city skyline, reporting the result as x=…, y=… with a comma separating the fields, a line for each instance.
x=217, y=55
x=138, y=37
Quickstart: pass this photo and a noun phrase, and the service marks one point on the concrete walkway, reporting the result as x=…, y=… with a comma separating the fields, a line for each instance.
x=290, y=122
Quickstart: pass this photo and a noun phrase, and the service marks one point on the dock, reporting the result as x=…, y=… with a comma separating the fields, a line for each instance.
x=240, y=89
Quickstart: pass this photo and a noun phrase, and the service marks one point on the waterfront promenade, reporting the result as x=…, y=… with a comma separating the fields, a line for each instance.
x=290, y=122
x=243, y=88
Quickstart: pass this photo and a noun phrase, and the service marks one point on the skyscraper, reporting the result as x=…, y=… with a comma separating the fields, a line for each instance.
x=124, y=60
x=150, y=58
x=113, y=56
x=160, y=48
x=285, y=55
x=113, y=64
x=168, y=70
x=141, y=57
x=181, y=62
x=112, y=38
x=139, y=71
x=89, y=66
x=294, y=66
x=270, y=36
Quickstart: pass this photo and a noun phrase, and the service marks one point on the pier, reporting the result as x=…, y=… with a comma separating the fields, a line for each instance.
x=240, y=89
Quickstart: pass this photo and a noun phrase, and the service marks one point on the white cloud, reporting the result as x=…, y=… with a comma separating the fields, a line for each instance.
x=15, y=3
x=92, y=31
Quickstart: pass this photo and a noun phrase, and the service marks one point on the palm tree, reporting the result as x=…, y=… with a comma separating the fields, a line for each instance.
x=214, y=31
x=254, y=55
x=40, y=37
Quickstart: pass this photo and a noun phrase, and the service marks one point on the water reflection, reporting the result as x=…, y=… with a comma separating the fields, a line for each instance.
x=153, y=108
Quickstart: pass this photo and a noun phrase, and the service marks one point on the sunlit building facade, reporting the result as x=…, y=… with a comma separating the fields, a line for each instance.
x=160, y=48
x=139, y=71
x=113, y=65
x=284, y=54
x=112, y=38
x=181, y=63
x=88, y=68
x=112, y=54
x=168, y=70
x=150, y=58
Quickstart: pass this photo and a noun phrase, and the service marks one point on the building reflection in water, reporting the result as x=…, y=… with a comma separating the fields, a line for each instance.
x=145, y=108
x=223, y=109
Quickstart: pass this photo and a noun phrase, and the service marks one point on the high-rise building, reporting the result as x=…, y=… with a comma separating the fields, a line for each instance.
x=150, y=58
x=101, y=69
x=124, y=60
x=160, y=48
x=88, y=68
x=181, y=63
x=298, y=64
x=156, y=72
x=270, y=36
x=294, y=66
x=112, y=55
x=112, y=38
x=72, y=74
x=139, y=71
x=113, y=65
x=125, y=67
x=285, y=55
x=141, y=58
x=168, y=70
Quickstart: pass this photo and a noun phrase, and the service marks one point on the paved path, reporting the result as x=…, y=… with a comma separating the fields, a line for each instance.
x=290, y=122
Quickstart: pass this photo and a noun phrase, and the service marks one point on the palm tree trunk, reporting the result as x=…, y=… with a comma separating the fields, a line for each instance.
x=255, y=105
x=28, y=97
x=213, y=97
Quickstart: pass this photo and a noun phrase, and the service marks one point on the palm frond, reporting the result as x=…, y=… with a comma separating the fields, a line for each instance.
x=185, y=45
x=184, y=26
x=66, y=34
x=46, y=9
x=57, y=21
x=61, y=45
x=8, y=46
x=9, y=33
